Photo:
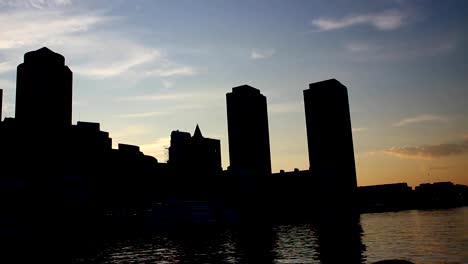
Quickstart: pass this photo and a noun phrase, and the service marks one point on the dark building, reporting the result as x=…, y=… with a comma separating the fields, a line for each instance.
x=440, y=195
x=329, y=137
x=44, y=90
x=249, y=140
x=87, y=149
x=195, y=154
x=179, y=148
x=385, y=197
x=88, y=137
x=131, y=181
x=289, y=195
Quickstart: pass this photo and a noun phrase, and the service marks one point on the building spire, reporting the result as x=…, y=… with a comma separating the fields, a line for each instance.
x=197, y=133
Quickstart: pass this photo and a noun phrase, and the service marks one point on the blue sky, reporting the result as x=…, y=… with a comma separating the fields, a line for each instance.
x=145, y=68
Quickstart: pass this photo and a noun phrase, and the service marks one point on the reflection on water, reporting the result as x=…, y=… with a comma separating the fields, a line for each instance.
x=432, y=236
x=298, y=243
x=295, y=244
x=419, y=236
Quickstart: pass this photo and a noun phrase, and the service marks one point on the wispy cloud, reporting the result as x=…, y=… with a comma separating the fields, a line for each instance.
x=157, y=148
x=386, y=20
x=91, y=40
x=428, y=151
x=157, y=97
x=257, y=54
x=360, y=129
x=396, y=50
x=39, y=4
x=421, y=118
x=145, y=114
x=174, y=96
x=135, y=58
x=173, y=70
x=26, y=27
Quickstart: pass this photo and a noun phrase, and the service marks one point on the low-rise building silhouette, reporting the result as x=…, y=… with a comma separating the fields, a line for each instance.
x=194, y=165
x=441, y=195
x=385, y=197
x=194, y=156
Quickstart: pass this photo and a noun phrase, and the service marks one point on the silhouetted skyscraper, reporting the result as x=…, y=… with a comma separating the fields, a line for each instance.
x=329, y=137
x=249, y=140
x=44, y=90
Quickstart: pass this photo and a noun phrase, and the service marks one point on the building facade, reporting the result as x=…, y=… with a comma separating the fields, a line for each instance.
x=44, y=90
x=195, y=155
x=329, y=138
x=249, y=140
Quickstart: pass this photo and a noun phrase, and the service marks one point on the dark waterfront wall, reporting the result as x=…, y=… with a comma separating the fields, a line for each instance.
x=399, y=196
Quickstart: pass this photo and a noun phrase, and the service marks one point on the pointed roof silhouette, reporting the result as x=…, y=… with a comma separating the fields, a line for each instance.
x=44, y=55
x=197, y=133
x=45, y=50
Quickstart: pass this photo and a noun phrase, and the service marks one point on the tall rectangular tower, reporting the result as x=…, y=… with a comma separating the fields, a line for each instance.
x=249, y=140
x=44, y=90
x=329, y=137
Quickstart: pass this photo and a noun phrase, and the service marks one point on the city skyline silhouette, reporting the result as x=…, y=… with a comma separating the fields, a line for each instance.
x=40, y=68
x=263, y=131
x=59, y=149
x=407, y=90
x=67, y=183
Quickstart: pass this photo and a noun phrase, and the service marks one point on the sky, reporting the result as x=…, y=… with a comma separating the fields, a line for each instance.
x=145, y=68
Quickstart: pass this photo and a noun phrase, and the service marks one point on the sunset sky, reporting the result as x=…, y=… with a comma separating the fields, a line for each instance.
x=145, y=68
